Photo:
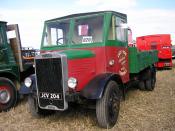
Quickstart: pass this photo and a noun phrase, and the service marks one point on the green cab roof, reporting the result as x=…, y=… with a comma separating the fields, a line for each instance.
x=4, y=22
x=89, y=13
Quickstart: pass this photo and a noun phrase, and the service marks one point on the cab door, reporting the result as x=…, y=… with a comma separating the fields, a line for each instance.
x=117, y=52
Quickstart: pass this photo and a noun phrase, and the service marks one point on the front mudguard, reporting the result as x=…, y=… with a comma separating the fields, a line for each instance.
x=28, y=90
x=95, y=88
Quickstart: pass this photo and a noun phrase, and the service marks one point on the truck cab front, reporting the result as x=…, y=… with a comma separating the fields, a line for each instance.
x=80, y=55
x=75, y=50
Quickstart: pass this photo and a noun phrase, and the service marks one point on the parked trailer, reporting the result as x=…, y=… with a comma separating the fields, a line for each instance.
x=13, y=67
x=85, y=59
x=160, y=42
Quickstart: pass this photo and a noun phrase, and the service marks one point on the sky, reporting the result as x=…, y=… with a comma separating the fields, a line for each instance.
x=145, y=17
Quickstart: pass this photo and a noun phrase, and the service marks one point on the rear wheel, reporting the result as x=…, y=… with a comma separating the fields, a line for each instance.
x=34, y=108
x=107, y=108
x=141, y=85
x=150, y=83
x=8, y=94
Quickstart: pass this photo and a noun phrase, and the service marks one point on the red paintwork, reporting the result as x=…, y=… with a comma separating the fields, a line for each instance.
x=83, y=70
x=121, y=65
x=87, y=68
x=164, y=64
x=4, y=87
x=162, y=43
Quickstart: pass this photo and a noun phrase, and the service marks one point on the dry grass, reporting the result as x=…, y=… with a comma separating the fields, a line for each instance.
x=141, y=111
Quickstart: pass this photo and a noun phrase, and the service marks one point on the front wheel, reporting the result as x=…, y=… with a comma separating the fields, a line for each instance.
x=34, y=108
x=8, y=94
x=107, y=108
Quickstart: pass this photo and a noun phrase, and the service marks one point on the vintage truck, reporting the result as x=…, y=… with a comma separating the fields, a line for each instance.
x=85, y=58
x=15, y=65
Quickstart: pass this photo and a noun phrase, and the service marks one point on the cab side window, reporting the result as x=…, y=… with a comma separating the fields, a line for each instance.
x=120, y=31
x=117, y=31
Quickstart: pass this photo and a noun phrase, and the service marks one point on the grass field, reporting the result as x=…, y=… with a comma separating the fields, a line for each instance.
x=141, y=111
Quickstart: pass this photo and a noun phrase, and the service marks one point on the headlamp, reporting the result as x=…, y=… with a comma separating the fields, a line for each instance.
x=28, y=82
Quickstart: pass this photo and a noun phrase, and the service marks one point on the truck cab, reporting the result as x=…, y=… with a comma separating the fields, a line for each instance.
x=85, y=57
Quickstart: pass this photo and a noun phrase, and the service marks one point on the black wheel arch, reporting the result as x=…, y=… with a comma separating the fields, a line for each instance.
x=96, y=87
x=10, y=76
x=25, y=90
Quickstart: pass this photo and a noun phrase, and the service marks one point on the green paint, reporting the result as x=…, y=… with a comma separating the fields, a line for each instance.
x=7, y=61
x=141, y=60
x=116, y=43
x=94, y=45
x=71, y=46
x=78, y=54
x=12, y=70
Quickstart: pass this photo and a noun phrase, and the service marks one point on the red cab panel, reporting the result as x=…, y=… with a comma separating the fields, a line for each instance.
x=107, y=59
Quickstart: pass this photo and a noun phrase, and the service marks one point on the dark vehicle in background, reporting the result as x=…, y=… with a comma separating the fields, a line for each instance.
x=16, y=64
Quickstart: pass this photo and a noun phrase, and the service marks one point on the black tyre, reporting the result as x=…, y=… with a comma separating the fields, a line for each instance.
x=8, y=94
x=34, y=108
x=141, y=85
x=150, y=83
x=107, y=108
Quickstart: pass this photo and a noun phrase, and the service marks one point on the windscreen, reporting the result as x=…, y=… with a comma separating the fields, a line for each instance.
x=82, y=30
x=56, y=33
x=88, y=30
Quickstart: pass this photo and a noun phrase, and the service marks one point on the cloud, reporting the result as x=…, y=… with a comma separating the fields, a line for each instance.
x=152, y=21
x=142, y=21
x=107, y=4
x=30, y=23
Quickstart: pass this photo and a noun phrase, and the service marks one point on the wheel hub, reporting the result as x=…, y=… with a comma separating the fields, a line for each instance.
x=4, y=96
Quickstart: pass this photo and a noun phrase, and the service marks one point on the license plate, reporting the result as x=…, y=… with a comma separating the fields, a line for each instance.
x=52, y=96
x=167, y=64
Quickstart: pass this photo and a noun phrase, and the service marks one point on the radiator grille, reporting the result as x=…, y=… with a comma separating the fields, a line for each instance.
x=49, y=80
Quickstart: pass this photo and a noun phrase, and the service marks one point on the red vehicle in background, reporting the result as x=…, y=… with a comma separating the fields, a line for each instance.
x=160, y=42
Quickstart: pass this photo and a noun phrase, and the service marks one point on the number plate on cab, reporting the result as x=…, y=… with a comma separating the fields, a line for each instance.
x=53, y=96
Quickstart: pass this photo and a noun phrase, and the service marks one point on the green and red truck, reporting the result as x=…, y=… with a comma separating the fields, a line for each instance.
x=85, y=58
x=15, y=65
